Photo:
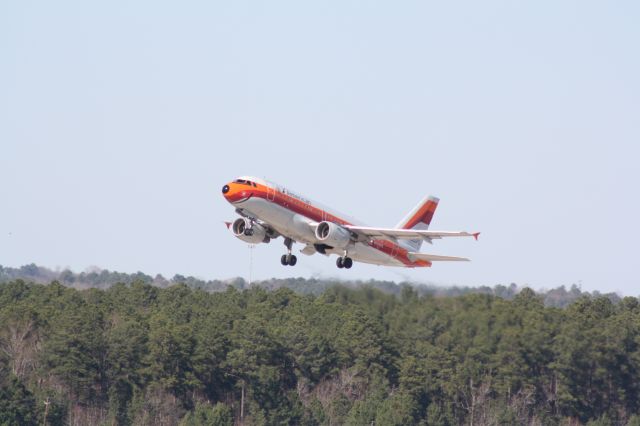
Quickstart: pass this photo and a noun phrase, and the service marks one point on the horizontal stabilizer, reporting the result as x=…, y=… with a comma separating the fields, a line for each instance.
x=436, y=258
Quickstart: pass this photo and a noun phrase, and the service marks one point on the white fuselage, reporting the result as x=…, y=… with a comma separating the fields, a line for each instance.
x=270, y=211
x=298, y=227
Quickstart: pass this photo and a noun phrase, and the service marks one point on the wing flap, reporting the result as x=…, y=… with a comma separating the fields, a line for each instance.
x=436, y=258
x=408, y=234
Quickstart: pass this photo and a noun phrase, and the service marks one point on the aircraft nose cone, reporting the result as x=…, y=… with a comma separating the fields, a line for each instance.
x=225, y=189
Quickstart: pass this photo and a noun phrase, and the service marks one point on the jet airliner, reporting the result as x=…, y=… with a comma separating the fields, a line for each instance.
x=269, y=211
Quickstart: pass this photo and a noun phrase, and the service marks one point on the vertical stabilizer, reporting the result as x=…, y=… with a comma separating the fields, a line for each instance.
x=419, y=218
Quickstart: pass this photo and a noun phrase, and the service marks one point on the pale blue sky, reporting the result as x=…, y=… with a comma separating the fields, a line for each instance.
x=120, y=121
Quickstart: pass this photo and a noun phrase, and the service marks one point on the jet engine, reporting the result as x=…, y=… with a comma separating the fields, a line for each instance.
x=333, y=235
x=252, y=233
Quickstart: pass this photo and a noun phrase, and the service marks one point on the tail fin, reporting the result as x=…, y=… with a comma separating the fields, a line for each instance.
x=419, y=218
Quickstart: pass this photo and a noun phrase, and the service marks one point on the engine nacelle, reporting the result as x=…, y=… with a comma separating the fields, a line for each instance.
x=333, y=235
x=252, y=233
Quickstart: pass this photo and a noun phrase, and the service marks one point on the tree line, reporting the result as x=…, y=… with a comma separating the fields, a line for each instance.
x=103, y=279
x=139, y=354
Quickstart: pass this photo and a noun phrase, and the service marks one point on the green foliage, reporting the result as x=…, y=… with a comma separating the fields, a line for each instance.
x=397, y=410
x=207, y=415
x=600, y=421
x=17, y=403
x=338, y=409
x=558, y=297
x=75, y=349
x=170, y=356
x=55, y=407
x=634, y=420
x=139, y=354
x=364, y=411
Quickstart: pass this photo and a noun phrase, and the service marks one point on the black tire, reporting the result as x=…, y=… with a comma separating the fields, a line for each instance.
x=339, y=263
x=284, y=260
x=347, y=262
x=293, y=260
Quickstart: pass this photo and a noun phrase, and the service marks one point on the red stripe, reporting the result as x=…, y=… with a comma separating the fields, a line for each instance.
x=305, y=209
x=425, y=214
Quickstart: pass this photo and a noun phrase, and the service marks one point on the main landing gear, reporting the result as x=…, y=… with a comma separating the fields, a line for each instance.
x=344, y=262
x=288, y=259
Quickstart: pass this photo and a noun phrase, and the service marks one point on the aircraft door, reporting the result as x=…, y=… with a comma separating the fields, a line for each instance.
x=271, y=193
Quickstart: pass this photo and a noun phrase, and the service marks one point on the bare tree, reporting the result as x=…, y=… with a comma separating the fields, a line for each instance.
x=20, y=341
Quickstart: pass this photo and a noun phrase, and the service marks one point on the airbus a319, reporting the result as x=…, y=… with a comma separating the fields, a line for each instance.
x=269, y=211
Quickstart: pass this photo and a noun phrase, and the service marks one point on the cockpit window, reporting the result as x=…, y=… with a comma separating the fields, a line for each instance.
x=244, y=182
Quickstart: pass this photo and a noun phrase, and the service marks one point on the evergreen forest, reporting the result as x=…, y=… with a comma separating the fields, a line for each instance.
x=139, y=354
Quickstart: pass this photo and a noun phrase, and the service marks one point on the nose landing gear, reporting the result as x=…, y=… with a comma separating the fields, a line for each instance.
x=288, y=259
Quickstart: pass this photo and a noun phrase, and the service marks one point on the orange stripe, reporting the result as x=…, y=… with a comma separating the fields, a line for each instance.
x=305, y=209
x=425, y=214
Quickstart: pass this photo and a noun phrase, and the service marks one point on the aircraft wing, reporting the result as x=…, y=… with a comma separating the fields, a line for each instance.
x=436, y=258
x=408, y=234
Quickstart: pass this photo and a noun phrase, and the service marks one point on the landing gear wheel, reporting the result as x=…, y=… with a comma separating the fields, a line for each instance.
x=339, y=263
x=288, y=259
x=347, y=262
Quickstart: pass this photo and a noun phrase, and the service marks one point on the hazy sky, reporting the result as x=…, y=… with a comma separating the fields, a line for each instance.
x=120, y=121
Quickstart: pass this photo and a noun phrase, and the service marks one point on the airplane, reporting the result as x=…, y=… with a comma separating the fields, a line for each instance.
x=269, y=211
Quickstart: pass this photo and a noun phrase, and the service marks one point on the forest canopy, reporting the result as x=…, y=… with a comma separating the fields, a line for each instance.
x=135, y=353
x=101, y=278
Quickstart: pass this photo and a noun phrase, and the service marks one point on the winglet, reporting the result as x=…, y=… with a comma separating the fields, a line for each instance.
x=476, y=235
x=228, y=224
